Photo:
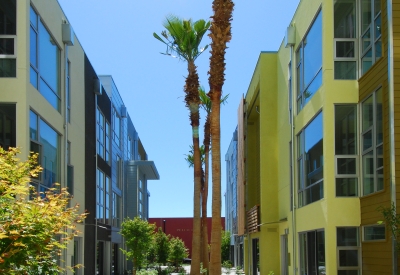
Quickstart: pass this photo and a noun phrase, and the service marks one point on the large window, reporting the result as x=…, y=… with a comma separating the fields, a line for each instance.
x=116, y=124
x=348, y=250
x=8, y=37
x=309, y=63
x=46, y=142
x=7, y=125
x=311, y=162
x=346, y=53
x=374, y=233
x=116, y=210
x=45, y=60
x=346, y=156
x=372, y=143
x=312, y=252
x=68, y=91
x=371, y=44
x=103, y=137
x=102, y=197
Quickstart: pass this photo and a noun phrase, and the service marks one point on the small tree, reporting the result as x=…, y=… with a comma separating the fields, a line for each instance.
x=138, y=236
x=178, y=251
x=34, y=228
x=161, y=247
x=225, y=245
x=392, y=219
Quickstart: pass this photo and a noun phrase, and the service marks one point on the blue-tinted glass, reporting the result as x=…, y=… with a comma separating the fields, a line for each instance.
x=33, y=125
x=34, y=18
x=33, y=48
x=48, y=62
x=33, y=78
x=50, y=152
x=49, y=94
x=313, y=87
x=378, y=26
x=313, y=133
x=313, y=51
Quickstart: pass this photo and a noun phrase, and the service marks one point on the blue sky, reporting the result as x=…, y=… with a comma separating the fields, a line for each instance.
x=117, y=37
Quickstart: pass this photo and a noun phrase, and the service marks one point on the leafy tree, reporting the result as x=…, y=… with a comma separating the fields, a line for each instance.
x=34, y=228
x=220, y=34
x=161, y=246
x=138, y=236
x=178, y=251
x=225, y=245
x=392, y=219
x=183, y=38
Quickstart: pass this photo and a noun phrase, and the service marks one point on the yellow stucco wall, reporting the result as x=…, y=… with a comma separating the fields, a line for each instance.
x=270, y=78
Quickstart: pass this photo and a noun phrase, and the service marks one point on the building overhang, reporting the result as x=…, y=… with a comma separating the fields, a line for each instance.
x=148, y=168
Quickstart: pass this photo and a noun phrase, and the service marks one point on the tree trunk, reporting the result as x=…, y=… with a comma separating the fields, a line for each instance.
x=193, y=102
x=220, y=34
x=204, y=228
x=215, y=257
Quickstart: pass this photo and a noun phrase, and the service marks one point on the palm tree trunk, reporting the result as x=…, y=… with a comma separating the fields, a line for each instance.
x=220, y=34
x=204, y=248
x=193, y=102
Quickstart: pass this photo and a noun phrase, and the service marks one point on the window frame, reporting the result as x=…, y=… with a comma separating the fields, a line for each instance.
x=301, y=86
x=374, y=40
x=354, y=156
x=39, y=180
x=103, y=190
x=375, y=146
x=349, y=247
x=301, y=165
x=103, y=136
x=36, y=68
x=11, y=56
x=372, y=226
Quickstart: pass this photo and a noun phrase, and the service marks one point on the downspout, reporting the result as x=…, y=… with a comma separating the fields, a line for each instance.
x=391, y=125
x=292, y=64
x=65, y=133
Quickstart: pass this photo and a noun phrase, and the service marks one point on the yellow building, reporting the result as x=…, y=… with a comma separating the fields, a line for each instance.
x=318, y=136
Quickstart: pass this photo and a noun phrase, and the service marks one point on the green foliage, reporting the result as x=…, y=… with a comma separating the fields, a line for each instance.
x=183, y=37
x=392, y=219
x=138, y=236
x=239, y=270
x=225, y=245
x=178, y=251
x=202, y=269
x=161, y=247
x=271, y=273
x=147, y=272
x=34, y=228
x=190, y=159
x=226, y=266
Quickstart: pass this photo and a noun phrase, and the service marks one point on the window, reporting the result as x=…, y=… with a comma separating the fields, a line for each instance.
x=45, y=60
x=68, y=91
x=374, y=233
x=291, y=175
x=103, y=137
x=312, y=252
x=46, y=142
x=116, y=126
x=119, y=172
x=102, y=197
x=8, y=38
x=348, y=250
x=116, y=210
x=346, y=158
x=310, y=162
x=371, y=44
x=130, y=148
x=345, y=46
x=309, y=63
x=7, y=125
x=372, y=143
x=70, y=170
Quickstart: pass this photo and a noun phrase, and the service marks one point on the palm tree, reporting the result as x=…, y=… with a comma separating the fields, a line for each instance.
x=183, y=38
x=206, y=105
x=220, y=34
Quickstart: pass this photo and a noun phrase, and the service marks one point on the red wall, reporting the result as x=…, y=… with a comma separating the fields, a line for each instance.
x=182, y=228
